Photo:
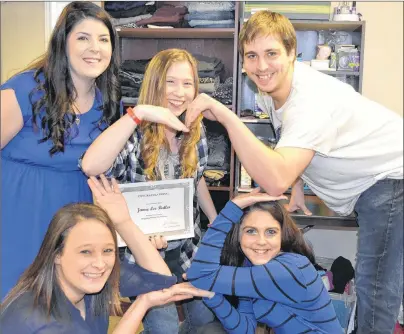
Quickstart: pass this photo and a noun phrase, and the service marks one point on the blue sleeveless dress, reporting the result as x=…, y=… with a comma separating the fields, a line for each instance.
x=35, y=185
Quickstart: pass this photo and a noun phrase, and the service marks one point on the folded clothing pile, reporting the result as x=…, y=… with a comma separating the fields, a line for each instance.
x=166, y=16
x=211, y=14
x=126, y=14
x=131, y=75
x=218, y=166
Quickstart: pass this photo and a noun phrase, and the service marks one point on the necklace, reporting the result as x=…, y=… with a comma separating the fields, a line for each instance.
x=77, y=120
x=77, y=111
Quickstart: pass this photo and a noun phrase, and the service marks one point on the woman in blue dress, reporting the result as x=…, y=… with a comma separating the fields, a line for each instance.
x=50, y=113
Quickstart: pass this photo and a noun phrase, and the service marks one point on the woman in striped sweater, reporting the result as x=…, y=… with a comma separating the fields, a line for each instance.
x=265, y=268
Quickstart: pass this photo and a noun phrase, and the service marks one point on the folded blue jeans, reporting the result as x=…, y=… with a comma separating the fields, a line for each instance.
x=379, y=265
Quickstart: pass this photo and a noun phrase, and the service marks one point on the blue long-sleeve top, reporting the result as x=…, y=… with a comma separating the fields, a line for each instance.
x=21, y=318
x=286, y=293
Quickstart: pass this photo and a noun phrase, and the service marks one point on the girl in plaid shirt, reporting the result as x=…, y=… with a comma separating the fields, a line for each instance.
x=145, y=145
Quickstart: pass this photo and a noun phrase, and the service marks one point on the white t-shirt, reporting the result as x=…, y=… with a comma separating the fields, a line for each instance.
x=357, y=141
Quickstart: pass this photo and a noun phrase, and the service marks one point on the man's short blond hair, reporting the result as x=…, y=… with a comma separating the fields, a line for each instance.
x=265, y=23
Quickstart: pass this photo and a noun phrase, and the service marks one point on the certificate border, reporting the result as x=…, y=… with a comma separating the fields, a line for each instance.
x=187, y=185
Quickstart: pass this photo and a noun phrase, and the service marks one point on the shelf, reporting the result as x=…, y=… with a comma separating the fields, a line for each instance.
x=176, y=33
x=322, y=216
x=305, y=25
x=255, y=120
x=354, y=74
x=213, y=188
x=244, y=190
x=310, y=25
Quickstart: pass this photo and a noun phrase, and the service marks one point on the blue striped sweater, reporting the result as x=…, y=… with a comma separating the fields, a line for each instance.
x=287, y=293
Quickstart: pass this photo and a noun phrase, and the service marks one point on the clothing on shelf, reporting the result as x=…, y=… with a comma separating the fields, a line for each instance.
x=219, y=150
x=131, y=75
x=209, y=14
x=224, y=92
x=126, y=21
x=166, y=15
x=211, y=24
x=210, y=6
x=125, y=9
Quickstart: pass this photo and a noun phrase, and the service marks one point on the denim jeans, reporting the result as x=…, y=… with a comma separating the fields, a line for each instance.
x=161, y=320
x=164, y=319
x=379, y=267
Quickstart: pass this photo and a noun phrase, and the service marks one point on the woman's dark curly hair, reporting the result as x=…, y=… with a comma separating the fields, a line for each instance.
x=59, y=91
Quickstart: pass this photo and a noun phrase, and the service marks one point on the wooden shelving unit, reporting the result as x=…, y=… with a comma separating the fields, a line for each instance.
x=176, y=33
x=309, y=25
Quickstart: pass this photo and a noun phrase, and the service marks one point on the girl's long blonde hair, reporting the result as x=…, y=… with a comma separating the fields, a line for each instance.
x=153, y=92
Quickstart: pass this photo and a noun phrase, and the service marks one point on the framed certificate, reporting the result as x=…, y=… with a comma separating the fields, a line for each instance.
x=161, y=207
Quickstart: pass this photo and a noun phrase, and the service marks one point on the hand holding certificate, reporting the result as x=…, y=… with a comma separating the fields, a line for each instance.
x=161, y=207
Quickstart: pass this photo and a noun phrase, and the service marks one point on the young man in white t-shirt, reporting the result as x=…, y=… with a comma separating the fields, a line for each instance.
x=347, y=148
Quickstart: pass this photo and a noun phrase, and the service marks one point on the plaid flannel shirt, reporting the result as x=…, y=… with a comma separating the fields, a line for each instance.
x=128, y=167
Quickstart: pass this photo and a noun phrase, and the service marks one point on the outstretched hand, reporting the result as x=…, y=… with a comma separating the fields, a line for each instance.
x=255, y=196
x=175, y=293
x=108, y=196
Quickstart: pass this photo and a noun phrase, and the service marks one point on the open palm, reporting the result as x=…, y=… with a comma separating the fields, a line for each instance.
x=108, y=196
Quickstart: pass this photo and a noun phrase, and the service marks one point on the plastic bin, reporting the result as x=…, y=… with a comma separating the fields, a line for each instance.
x=344, y=305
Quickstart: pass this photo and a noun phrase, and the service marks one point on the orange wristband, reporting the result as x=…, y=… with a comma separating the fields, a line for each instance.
x=132, y=115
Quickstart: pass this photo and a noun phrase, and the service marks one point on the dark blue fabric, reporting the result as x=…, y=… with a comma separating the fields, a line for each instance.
x=35, y=185
x=21, y=318
x=286, y=293
x=136, y=280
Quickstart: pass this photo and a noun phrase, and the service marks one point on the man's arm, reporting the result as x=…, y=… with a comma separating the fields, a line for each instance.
x=273, y=170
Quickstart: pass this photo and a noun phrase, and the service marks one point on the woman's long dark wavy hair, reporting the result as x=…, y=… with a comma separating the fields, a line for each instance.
x=41, y=279
x=58, y=88
x=292, y=239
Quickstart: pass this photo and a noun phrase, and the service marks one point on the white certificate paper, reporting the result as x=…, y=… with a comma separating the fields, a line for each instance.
x=161, y=207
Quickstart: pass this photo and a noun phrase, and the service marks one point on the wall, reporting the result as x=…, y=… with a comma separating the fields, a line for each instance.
x=383, y=59
x=22, y=35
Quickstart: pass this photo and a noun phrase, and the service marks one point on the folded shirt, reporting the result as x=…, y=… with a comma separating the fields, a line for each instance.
x=167, y=14
x=128, y=20
x=208, y=15
x=210, y=6
x=147, y=9
x=195, y=23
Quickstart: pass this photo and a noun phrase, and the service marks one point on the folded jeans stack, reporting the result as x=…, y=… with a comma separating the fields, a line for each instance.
x=211, y=14
x=210, y=70
x=218, y=159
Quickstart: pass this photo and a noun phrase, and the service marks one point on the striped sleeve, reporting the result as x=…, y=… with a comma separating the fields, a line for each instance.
x=279, y=280
x=235, y=321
